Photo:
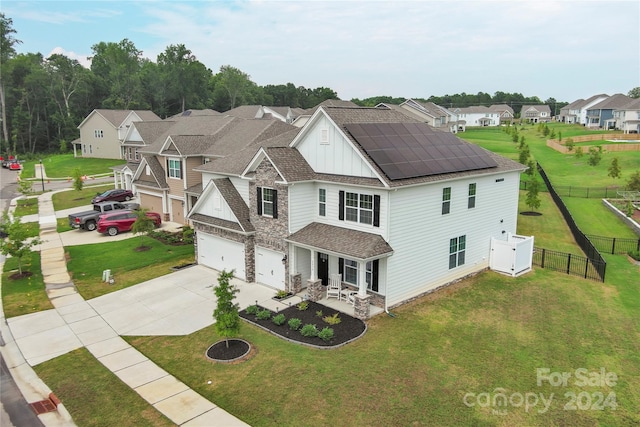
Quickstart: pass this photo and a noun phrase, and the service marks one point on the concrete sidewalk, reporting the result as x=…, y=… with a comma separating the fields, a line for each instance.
x=178, y=303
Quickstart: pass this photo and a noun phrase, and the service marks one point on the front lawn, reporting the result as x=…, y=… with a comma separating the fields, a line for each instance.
x=25, y=295
x=487, y=334
x=86, y=263
x=27, y=206
x=64, y=165
x=73, y=198
x=94, y=396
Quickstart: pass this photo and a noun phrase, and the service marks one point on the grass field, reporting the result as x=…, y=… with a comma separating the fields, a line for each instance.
x=27, y=206
x=72, y=198
x=25, y=295
x=64, y=165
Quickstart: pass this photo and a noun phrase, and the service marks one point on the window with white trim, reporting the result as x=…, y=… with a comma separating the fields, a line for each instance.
x=322, y=202
x=350, y=274
x=471, y=203
x=175, y=170
x=267, y=201
x=446, y=200
x=457, y=247
x=358, y=208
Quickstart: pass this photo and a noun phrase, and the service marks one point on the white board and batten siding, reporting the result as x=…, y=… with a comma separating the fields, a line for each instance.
x=420, y=235
x=221, y=254
x=242, y=185
x=328, y=151
x=214, y=205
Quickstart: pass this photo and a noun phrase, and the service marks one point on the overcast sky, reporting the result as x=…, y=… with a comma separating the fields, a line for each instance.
x=562, y=49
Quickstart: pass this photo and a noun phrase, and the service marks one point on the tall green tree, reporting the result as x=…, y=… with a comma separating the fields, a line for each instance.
x=533, y=189
x=184, y=76
x=235, y=82
x=7, y=51
x=226, y=313
x=117, y=67
x=634, y=93
x=143, y=225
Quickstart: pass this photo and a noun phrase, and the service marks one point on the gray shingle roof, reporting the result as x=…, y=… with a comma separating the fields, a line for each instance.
x=343, y=241
x=157, y=179
x=237, y=205
x=614, y=101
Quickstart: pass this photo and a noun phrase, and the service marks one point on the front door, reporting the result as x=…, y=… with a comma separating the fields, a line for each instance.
x=323, y=268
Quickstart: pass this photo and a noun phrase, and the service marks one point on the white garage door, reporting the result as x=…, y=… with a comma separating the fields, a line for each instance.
x=269, y=268
x=221, y=254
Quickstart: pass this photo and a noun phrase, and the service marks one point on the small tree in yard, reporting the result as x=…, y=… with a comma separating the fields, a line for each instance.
x=226, y=313
x=569, y=144
x=26, y=188
x=78, y=183
x=633, y=184
x=17, y=244
x=595, y=155
x=533, y=188
x=579, y=152
x=614, y=168
x=143, y=225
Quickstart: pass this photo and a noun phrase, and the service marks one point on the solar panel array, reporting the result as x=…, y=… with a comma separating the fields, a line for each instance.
x=410, y=150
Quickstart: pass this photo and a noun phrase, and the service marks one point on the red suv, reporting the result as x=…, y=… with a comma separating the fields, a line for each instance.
x=117, y=222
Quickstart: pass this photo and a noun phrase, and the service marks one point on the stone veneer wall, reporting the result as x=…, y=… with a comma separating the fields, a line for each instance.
x=249, y=247
x=271, y=232
x=374, y=298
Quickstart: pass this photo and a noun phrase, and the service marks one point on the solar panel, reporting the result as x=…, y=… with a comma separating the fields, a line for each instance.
x=410, y=150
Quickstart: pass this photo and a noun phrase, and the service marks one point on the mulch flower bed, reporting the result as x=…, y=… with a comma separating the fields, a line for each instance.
x=347, y=330
x=235, y=350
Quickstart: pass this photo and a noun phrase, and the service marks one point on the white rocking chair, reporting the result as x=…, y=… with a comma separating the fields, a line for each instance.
x=335, y=286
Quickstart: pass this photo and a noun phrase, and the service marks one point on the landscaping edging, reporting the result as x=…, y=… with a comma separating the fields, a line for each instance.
x=235, y=359
x=629, y=221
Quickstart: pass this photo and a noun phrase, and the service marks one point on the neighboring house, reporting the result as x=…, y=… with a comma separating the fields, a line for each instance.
x=477, y=116
x=576, y=112
x=303, y=117
x=102, y=132
x=431, y=114
x=627, y=117
x=284, y=114
x=395, y=206
x=505, y=111
x=600, y=115
x=166, y=181
x=535, y=113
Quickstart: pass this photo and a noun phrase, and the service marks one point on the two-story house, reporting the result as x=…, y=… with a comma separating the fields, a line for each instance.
x=535, y=113
x=166, y=181
x=478, y=115
x=102, y=132
x=627, y=117
x=600, y=115
x=576, y=112
x=432, y=114
x=396, y=207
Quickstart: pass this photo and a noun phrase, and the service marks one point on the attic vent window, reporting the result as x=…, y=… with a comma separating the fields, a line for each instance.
x=324, y=136
x=499, y=179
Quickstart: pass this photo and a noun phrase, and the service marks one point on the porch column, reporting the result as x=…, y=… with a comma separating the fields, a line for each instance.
x=314, y=268
x=362, y=279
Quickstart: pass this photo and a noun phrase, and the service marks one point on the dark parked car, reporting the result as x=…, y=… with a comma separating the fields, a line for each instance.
x=117, y=222
x=115, y=195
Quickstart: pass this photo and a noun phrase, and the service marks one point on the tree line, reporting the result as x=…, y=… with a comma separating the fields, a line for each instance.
x=43, y=100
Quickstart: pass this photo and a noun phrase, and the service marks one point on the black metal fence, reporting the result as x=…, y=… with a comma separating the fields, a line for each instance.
x=614, y=245
x=581, y=239
x=575, y=265
x=582, y=192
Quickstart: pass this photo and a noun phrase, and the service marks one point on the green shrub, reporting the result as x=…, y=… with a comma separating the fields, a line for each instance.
x=319, y=313
x=263, y=314
x=634, y=254
x=252, y=309
x=309, y=330
x=279, y=319
x=282, y=294
x=303, y=305
x=332, y=320
x=294, y=324
x=187, y=234
x=326, y=334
